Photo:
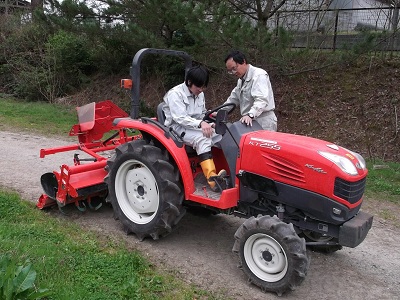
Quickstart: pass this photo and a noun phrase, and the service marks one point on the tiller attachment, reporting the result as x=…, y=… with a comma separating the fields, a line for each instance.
x=96, y=119
x=83, y=181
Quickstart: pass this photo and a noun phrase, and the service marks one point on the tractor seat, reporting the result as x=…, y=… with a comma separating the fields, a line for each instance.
x=160, y=113
x=161, y=118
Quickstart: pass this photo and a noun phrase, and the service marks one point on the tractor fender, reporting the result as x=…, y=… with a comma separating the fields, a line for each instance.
x=178, y=154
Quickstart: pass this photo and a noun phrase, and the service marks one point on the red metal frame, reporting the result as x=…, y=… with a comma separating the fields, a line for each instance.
x=96, y=119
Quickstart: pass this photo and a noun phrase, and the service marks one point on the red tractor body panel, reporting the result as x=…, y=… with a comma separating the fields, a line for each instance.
x=294, y=160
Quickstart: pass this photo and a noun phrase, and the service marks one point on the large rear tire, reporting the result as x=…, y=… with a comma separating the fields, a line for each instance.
x=271, y=254
x=144, y=189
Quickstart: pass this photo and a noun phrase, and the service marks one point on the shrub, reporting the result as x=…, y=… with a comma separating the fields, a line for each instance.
x=17, y=281
x=71, y=57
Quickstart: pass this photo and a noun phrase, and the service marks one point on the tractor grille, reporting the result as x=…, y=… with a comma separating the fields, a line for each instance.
x=349, y=191
x=286, y=170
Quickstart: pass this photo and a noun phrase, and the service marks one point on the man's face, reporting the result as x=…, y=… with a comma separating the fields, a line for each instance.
x=196, y=90
x=236, y=69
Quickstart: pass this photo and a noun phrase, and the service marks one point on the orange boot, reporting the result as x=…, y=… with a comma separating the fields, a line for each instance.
x=209, y=171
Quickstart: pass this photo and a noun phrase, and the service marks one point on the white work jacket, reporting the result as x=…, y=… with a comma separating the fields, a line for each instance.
x=183, y=108
x=253, y=94
x=184, y=113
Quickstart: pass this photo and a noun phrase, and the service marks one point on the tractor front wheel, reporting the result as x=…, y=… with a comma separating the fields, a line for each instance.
x=271, y=254
x=144, y=189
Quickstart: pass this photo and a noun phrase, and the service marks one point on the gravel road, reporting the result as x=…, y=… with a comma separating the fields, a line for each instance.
x=199, y=250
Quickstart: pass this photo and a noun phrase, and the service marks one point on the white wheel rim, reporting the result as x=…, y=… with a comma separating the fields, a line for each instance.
x=136, y=191
x=265, y=257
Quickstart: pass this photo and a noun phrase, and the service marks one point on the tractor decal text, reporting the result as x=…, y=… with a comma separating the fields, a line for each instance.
x=319, y=170
x=264, y=143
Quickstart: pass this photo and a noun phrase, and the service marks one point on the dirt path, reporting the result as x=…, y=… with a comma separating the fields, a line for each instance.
x=199, y=250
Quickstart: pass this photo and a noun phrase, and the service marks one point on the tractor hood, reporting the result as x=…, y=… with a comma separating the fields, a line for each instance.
x=305, y=162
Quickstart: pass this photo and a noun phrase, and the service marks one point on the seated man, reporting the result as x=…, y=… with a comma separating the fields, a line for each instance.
x=184, y=112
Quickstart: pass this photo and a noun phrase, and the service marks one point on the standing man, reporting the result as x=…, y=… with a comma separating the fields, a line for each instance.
x=253, y=92
x=184, y=110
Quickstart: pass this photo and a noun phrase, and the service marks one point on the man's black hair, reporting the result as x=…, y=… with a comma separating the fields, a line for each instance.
x=198, y=76
x=237, y=56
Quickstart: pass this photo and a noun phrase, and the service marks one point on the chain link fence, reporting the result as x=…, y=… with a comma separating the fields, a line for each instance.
x=341, y=28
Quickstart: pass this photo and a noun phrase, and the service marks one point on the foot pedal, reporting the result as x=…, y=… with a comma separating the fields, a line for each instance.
x=221, y=182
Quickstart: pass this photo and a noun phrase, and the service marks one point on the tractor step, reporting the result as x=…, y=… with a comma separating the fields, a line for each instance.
x=203, y=189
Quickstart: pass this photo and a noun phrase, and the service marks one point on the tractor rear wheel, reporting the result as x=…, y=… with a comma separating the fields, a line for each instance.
x=271, y=254
x=144, y=189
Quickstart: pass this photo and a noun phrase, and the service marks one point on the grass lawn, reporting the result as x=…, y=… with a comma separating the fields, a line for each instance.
x=76, y=264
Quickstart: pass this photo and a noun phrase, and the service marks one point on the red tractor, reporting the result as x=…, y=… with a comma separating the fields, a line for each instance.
x=294, y=191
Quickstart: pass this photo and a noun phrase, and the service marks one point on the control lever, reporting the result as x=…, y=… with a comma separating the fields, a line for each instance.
x=178, y=137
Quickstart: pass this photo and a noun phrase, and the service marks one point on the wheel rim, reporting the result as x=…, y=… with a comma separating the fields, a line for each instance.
x=265, y=257
x=137, y=192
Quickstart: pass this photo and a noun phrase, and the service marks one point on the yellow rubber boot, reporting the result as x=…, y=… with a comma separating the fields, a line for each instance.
x=209, y=170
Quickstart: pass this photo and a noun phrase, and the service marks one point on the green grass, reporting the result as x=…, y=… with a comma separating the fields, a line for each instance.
x=36, y=116
x=384, y=179
x=77, y=264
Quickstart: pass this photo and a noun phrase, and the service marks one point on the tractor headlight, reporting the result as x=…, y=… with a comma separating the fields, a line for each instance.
x=361, y=160
x=342, y=162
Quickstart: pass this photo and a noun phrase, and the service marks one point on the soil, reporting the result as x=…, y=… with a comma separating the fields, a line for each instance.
x=199, y=250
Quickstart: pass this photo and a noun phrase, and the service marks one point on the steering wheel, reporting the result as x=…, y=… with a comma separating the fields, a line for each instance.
x=209, y=118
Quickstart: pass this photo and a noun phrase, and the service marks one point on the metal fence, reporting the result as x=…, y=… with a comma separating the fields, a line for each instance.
x=341, y=28
x=10, y=6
